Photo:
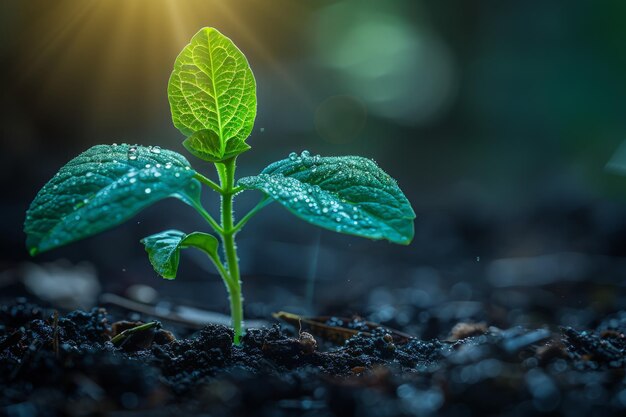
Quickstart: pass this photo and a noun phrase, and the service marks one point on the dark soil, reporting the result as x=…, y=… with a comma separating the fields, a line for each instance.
x=51, y=365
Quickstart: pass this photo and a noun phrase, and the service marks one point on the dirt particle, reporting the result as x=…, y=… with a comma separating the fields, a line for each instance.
x=464, y=330
x=307, y=343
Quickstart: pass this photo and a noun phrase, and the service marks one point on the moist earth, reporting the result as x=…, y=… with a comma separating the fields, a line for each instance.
x=51, y=365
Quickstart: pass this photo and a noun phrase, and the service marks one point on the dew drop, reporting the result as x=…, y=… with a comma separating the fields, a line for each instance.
x=147, y=190
x=305, y=154
x=155, y=149
x=168, y=165
x=133, y=180
x=293, y=156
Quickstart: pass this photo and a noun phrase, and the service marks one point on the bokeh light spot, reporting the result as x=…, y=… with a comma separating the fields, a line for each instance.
x=403, y=72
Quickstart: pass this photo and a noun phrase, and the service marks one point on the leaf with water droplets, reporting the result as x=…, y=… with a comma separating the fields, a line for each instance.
x=346, y=194
x=206, y=145
x=212, y=88
x=103, y=187
x=164, y=249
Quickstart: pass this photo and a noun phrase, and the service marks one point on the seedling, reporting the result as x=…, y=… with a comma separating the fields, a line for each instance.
x=212, y=95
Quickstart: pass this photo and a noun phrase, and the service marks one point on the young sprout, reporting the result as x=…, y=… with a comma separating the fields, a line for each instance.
x=212, y=95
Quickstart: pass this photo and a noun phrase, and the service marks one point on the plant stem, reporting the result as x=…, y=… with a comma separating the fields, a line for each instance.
x=233, y=281
x=209, y=219
x=261, y=204
x=207, y=182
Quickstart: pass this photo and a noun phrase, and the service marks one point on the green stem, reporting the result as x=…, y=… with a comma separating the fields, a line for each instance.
x=261, y=204
x=219, y=266
x=207, y=182
x=210, y=220
x=236, y=310
x=233, y=281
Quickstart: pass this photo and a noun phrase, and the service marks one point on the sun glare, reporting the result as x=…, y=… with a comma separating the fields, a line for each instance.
x=102, y=51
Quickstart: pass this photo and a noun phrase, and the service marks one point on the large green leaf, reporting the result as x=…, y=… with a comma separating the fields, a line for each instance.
x=205, y=145
x=103, y=187
x=212, y=88
x=164, y=249
x=347, y=194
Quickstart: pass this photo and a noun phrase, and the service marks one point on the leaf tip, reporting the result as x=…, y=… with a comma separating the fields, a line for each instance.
x=168, y=277
x=33, y=251
x=407, y=239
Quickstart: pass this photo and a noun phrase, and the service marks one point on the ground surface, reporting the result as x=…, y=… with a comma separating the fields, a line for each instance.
x=51, y=365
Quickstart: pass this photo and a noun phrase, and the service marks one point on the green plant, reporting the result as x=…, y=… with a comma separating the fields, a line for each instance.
x=212, y=95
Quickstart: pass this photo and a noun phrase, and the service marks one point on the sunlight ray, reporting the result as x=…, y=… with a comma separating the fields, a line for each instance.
x=276, y=66
x=58, y=37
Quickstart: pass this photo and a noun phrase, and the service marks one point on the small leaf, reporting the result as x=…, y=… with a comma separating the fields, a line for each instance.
x=346, y=194
x=164, y=249
x=205, y=145
x=103, y=187
x=212, y=88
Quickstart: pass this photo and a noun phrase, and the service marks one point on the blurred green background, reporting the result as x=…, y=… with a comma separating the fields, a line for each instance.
x=497, y=119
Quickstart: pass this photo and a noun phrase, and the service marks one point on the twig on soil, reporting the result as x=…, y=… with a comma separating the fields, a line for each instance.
x=186, y=316
x=337, y=334
x=55, y=334
x=122, y=336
